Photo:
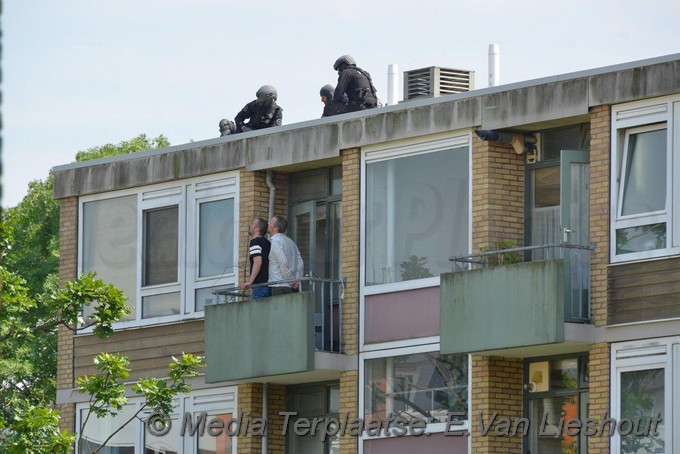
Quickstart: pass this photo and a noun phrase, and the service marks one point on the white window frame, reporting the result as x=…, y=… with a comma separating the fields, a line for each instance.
x=148, y=201
x=212, y=401
x=632, y=118
x=187, y=195
x=431, y=427
x=648, y=354
x=388, y=152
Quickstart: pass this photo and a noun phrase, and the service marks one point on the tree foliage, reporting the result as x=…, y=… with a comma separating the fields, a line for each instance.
x=107, y=389
x=32, y=306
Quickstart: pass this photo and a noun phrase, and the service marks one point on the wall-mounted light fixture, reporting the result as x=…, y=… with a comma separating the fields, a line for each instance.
x=520, y=142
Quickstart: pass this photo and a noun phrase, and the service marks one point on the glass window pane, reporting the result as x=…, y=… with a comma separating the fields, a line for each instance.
x=219, y=442
x=642, y=238
x=643, y=398
x=645, y=173
x=546, y=435
x=425, y=386
x=160, y=246
x=160, y=305
x=416, y=215
x=216, y=238
x=206, y=296
x=564, y=374
x=334, y=399
x=110, y=244
x=547, y=187
x=570, y=138
x=98, y=429
x=336, y=180
x=164, y=444
x=308, y=186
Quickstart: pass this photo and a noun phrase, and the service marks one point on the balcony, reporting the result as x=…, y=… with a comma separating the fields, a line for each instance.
x=293, y=338
x=537, y=306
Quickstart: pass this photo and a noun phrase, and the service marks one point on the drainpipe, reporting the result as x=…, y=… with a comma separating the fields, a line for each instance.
x=272, y=194
x=265, y=413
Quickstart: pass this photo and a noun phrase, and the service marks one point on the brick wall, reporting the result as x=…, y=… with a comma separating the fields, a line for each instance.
x=249, y=405
x=351, y=203
x=599, y=362
x=497, y=194
x=496, y=387
x=276, y=443
x=349, y=395
x=600, y=143
x=254, y=202
x=68, y=268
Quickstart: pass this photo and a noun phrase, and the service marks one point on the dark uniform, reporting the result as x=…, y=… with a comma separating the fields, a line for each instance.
x=261, y=116
x=357, y=86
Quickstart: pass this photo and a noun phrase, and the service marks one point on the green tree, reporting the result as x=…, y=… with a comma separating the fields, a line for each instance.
x=28, y=420
x=107, y=389
x=29, y=312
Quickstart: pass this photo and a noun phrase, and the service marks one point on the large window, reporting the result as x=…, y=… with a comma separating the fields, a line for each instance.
x=426, y=386
x=416, y=212
x=645, y=165
x=644, y=381
x=215, y=406
x=168, y=247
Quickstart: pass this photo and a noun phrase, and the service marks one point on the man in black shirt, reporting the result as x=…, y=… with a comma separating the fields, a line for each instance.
x=258, y=251
x=263, y=112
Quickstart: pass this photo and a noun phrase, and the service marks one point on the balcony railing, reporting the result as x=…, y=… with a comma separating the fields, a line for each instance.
x=327, y=293
x=576, y=260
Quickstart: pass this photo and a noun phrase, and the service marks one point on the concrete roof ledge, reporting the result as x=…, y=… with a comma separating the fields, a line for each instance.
x=524, y=105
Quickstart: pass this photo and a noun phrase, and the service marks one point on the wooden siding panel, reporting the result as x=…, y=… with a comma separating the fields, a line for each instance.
x=150, y=349
x=644, y=291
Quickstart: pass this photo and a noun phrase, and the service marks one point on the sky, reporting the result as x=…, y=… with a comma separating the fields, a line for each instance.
x=80, y=73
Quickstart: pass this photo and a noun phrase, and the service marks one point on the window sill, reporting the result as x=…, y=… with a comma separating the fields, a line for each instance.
x=146, y=323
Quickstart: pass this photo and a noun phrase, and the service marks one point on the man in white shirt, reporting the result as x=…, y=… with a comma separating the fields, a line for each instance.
x=285, y=261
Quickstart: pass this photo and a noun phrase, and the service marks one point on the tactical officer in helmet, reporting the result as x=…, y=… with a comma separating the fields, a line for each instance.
x=263, y=112
x=356, y=84
x=227, y=127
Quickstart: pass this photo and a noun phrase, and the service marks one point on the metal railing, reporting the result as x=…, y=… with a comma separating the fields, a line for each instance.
x=576, y=270
x=328, y=295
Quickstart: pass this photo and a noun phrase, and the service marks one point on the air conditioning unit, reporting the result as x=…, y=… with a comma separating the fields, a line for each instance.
x=436, y=81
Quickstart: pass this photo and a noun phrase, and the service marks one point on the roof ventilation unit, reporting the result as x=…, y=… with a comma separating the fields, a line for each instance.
x=436, y=81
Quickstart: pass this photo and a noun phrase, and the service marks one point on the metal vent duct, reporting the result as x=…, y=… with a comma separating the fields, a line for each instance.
x=436, y=81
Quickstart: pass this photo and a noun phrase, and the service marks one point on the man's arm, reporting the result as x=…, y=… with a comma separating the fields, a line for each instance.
x=300, y=270
x=343, y=83
x=242, y=116
x=257, y=264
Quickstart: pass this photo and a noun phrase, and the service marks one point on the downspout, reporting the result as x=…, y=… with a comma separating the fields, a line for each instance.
x=265, y=412
x=272, y=194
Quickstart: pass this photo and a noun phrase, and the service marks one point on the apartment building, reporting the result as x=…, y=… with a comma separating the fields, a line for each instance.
x=413, y=330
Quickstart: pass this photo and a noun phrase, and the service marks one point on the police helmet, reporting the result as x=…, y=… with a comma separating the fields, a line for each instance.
x=266, y=93
x=327, y=91
x=343, y=62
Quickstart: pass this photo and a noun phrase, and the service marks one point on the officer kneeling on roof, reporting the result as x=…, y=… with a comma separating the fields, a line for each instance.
x=263, y=112
x=356, y=84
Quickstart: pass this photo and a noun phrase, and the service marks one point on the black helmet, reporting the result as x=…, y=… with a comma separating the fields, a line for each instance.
x=343, y=62
x=327, y=91
x=266, y=93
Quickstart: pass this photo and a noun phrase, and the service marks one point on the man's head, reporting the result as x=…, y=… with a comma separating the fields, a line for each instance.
x=278, y=224
x=266, y=95
x=326, y=94
x=258, y=227
x=343, y=62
